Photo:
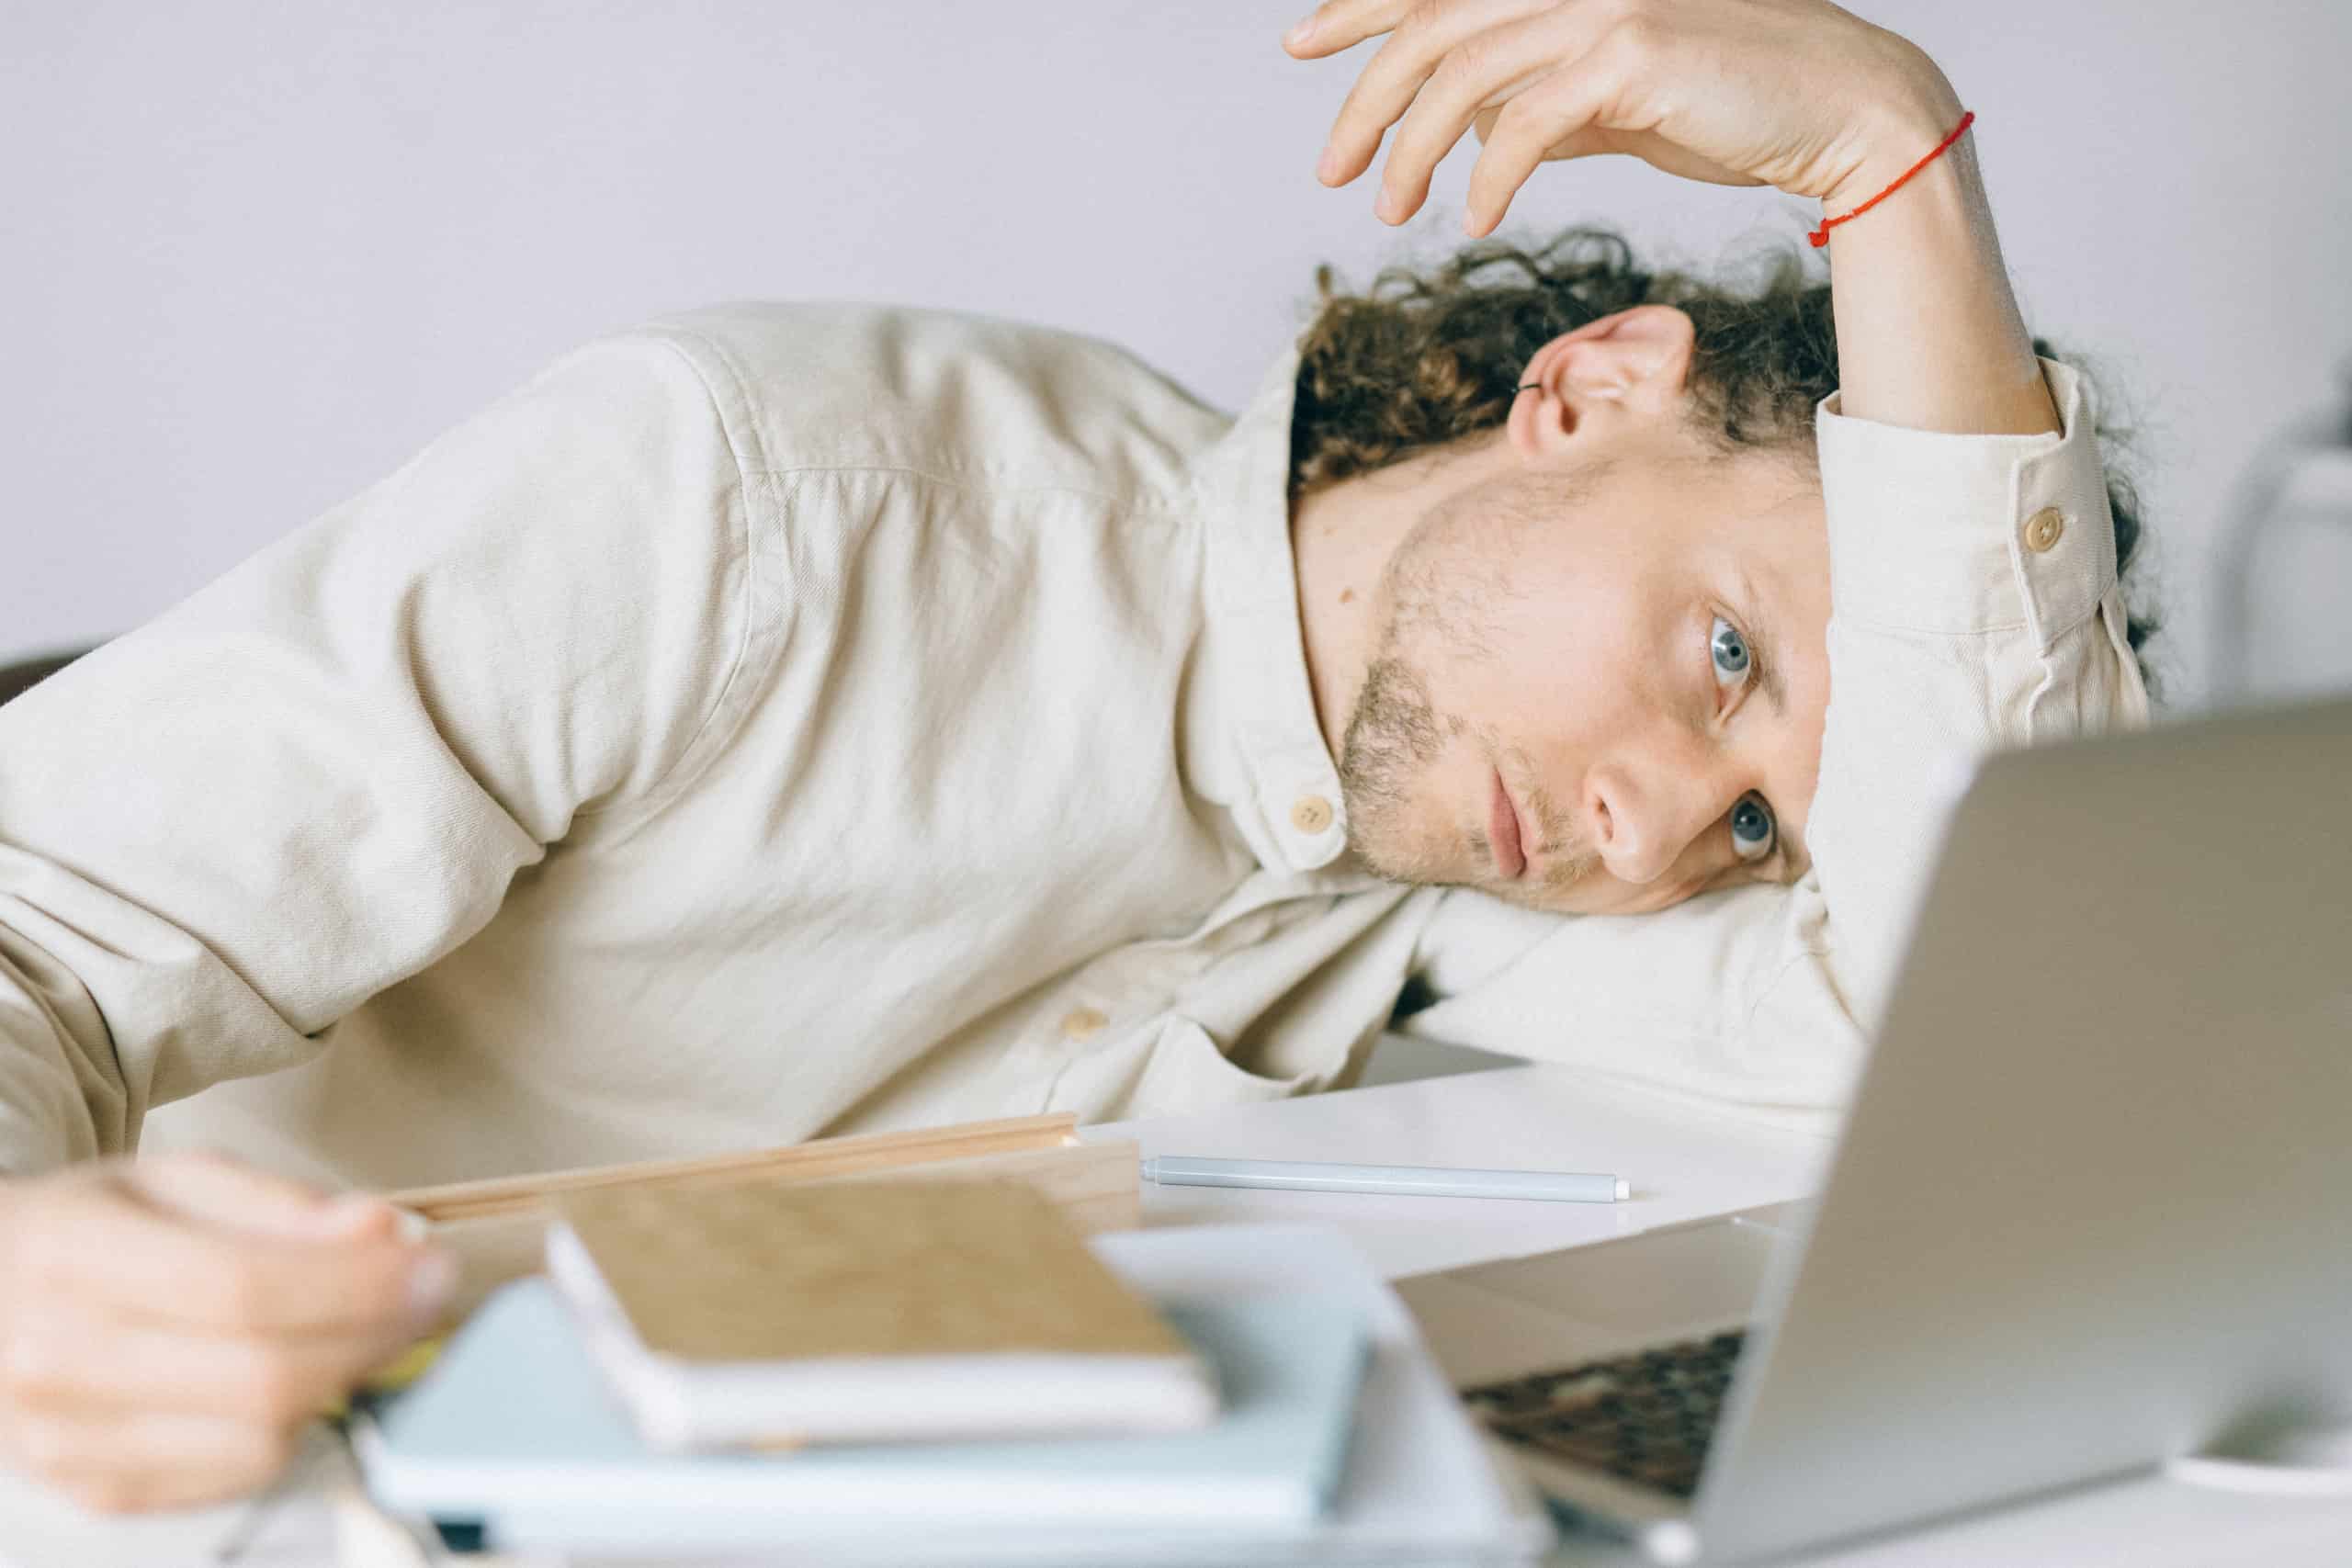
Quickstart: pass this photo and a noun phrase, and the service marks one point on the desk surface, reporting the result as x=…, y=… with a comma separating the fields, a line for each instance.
x=1685, y=1161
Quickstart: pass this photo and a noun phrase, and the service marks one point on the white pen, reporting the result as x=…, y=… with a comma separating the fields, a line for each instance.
x=1401, y=1181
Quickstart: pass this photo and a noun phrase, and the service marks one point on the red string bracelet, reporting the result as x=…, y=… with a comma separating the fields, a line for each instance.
x=1820, y=236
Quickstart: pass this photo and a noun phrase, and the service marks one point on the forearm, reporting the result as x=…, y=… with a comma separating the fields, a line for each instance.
x=1928, y=333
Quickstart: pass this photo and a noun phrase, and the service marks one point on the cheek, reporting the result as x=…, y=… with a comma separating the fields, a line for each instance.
x=1529, y=643
x=1555, y=681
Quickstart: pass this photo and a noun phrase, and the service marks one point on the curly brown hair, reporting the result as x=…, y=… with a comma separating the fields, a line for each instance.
x=1422, y=358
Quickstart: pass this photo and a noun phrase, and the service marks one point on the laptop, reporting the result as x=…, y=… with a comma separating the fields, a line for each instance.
x=2090, y=1210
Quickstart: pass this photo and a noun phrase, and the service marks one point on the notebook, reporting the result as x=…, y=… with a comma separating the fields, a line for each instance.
x=515, y=1426
x=777, y=1316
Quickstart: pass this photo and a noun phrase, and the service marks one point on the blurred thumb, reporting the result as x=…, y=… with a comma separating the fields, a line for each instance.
x=216, y=1190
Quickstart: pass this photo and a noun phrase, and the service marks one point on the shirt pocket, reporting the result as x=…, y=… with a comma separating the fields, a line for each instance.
x=1187, y=1070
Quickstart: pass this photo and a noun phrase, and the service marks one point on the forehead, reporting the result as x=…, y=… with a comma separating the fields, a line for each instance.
x=1679, y=512
x=1744, y=491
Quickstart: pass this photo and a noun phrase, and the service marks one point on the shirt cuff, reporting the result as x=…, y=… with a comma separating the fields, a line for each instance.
x=1941, y=533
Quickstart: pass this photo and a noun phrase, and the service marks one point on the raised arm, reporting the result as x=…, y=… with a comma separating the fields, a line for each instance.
x=1796, y=94
x=1928, y=333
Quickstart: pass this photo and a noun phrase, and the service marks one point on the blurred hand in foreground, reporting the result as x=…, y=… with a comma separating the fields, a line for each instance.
x=168, y=1326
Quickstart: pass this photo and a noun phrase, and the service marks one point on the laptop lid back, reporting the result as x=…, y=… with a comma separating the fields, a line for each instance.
x=2092, y=1204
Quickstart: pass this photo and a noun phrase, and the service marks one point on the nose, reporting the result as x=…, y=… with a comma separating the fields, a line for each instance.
x=1641, y=819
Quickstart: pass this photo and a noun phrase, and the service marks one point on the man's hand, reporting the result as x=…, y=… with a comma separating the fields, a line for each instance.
x=167, y=1327
x=1795, y=93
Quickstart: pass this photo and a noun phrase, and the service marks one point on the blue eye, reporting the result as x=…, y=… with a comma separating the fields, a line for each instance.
x=1752, y=829
x=1727, y=651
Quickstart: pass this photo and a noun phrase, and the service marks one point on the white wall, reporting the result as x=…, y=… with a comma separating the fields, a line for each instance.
x=253, y=255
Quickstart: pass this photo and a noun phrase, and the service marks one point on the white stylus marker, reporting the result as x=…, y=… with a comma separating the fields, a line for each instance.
x=1402, y=1180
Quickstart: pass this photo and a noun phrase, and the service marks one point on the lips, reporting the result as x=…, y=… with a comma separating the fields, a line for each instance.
x=1502, y=834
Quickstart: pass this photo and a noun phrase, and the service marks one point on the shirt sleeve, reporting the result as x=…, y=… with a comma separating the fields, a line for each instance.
x=1975, y=606
x=223, y=831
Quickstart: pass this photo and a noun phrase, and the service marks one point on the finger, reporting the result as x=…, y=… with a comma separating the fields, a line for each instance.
x=1555, y=115
x=1648, y=146
x=106, y=1248
x=1385, y=88
x=1474, y=73
x=222, y=1191
x=116, y=1463
x=63, y=1361
x=1341, y=24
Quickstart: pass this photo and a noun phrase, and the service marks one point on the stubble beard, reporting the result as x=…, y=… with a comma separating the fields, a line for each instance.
x=1394, y=735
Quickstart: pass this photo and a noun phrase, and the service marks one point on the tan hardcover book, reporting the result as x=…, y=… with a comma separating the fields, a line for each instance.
x=781, y=1315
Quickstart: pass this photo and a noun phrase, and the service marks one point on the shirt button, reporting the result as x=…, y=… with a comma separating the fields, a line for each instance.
x=1084, y=1024
x=2042, y=530
x=1310, y=814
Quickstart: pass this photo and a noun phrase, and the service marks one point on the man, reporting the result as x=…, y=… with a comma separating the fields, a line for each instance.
x=789, y=720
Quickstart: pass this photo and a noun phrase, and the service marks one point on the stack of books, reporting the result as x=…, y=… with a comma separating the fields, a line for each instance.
x=940, y=1374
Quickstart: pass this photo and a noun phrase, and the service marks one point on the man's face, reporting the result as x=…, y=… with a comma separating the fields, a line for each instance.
x=1599, y=685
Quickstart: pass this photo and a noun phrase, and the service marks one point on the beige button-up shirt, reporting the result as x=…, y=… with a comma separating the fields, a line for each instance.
x=782, y=720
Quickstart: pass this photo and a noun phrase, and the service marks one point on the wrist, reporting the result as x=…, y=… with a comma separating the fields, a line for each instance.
x=1896, y=126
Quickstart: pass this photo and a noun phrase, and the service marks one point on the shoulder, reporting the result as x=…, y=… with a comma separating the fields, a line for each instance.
x=963, y=397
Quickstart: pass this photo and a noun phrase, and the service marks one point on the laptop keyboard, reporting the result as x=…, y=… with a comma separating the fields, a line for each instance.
x=1645, y=1417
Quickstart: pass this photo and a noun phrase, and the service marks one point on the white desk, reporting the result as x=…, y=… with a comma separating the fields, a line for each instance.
x=1685, y=1162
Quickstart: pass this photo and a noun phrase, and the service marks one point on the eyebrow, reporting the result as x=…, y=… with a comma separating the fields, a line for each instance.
x=1764, y=643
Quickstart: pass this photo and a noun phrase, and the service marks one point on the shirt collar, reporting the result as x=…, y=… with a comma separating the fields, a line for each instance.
x=1250, y=740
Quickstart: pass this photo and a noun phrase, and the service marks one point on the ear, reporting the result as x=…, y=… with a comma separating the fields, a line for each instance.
x=1629, y=365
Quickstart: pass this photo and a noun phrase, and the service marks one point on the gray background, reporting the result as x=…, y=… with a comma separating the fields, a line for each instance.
x=252, y=257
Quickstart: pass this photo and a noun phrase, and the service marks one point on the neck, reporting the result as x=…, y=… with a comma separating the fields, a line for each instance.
x=1342, y=537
